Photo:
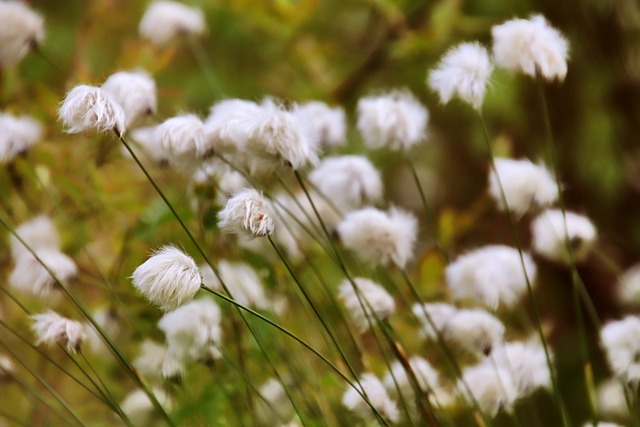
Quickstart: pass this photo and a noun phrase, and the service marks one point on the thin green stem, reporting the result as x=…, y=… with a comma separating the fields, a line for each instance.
x=204, y=62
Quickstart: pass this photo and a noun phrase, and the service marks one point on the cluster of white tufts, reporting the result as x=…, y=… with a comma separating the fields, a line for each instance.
x=21, y=31
x=326, y=127
x=51, y=328
x=167, y=21
x=366, y=301
x=17, y=135
x=135, y=91
x=39, y=262
x=377, y=396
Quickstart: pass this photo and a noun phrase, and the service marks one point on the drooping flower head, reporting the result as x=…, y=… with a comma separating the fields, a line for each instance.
x=525, y=185
x=90, y=108
x=135, y=91
x=556, y=233
x=17, y=135
x=325, y=126
x=621, y=342
x=378, y=397
x=30, y=276
x=396, y=120
x=380, y=237
x=247, y=214
x=51, y=328
x=167, y=21
x=169, y=278
x=228, y=127
x=463, y=71
x=492, y=276
x=21, y=31
x=530, y=46
x=370, y=298
x=474, y=330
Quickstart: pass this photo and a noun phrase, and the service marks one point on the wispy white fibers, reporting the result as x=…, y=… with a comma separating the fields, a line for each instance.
x=21, y=31
x=135, y=91
x=247, y=214
x=530, y=46
x=370, y=298
x=527, y=364
x=30, y=275
x=243, y=282
x=90, y=108
x=378, y=397
x=167, y=21
x=325, y=126
x=17, y=135
x=182, y=138
x=474, y=330
x=493, y=387
x=51, y=328
x=621, y=342
x=139, y=408
x=464, y=71
x=555, y=233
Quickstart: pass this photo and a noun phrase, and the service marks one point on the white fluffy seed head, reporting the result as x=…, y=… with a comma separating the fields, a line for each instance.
x=193, y=333
x=492, y=387
x=350, y=181
x=554, y=234
x=474, y=330
x=438, y=312
x=135, y=91
x=139, y=408
x=527, y=364
x=464, y=71
x=378, y=397
x=229, y=124
x=621, y=342
x=17, y=135
x=628, y=289
x=150, y=359
x=325, y=126
x=491, y=275
x=87, y=108
x=51, y=328
x=396, y=120
x=525, y=185
x=276, y=405
x=611, y=399
x=38, y=233
x=242, y=281
x=380, y=237
x=247, y=214
x=30, y=276
x=371, y=298
x=530, y=46
x=109, y=321
x=167, y=21
x=397, y=378
x=182, y=138
x=169, y=278
x=22, y=29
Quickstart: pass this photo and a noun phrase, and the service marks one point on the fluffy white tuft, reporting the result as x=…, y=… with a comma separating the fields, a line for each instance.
x=611, y=399
x=38, y=233
x=228, y=125
x=139, y=408
x=370, y=298
x=182, y=138
x=166, y=21
x=493, y=387
x=474, y=330
x=242, y=281
x=530, y=46
x=628, y=289
x=325, y=126
x=135, y=91
x=527, y=364
x=90, y=108
x=524, y=183
x=17, y=135
x=492, y=276
x=248, y=214
x=378, y=397
x=397, y=380
x=621, y=342
x=554, y=234
x=22, y=29
x=380, y=237
x=396, y=120
x=439, y=313
x=30, y=276
x=150, y=359
x=51, y=328
x=169, y=278
x=463, y=71
x=276, y=405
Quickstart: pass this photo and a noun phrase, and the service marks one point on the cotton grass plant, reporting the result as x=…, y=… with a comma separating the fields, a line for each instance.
x=251, y=266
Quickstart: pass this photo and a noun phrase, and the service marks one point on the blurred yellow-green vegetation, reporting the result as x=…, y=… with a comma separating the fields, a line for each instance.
x=335, y=51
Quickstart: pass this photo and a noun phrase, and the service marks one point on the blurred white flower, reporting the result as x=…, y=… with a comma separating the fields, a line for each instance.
x=397, y=381
x=135, y=91
x=7, y=368
x=151, y=357
x=611, y=399
x=21, y=31
x=463, y=71
x=530, y=46
x=554, y=234
x=396, y=120
x=242, y=281
x=527, y=364
x=493, y=387
x=439, y=313
x=370, y=298
x=276, y=405
x=108, y=320
x=51, y=328
x=491, y=275
x=182, y=138
x=380, y=237
x=138, y=407
x=474, y=330
x=30, y=276
x=90, y=108
x=621, y=342
x=525, y=185
x=325, y=126
x=628, y=289
x=38, y=233
x=166, y=21
x=17, y=135
x=373, y=388
x=228, y=126
x=169, y=278
x=247, y=214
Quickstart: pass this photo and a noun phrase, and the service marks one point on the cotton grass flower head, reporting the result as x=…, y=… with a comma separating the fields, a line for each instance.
x=463, y=71
x=17, y=135
x=229, y=124
x=621, y=342
x=182, y=138
x=397, y=380
x=193, y=333
x=135, y=91
x=474, y=330
x=7, y=368
x=628, y=289
x=276, y=405
x=493, y=387
x=248, y=214
x=150, y=359
x=38, y=233
x=51, y=328
x=32, y=277
x=378, y=397
x=325, y=126
x=350, y=181
x=396, y=120
x=242, y=281
x=140, y=410
x=527, y=364
x=555, y=233
x=108, y=320
x=531, y=46
x=169, y=278
x=491, y=276
x=21, y=31
x=167, y=21
x=86, y=108
x=370, y=298
x=525, y=185
x=439, y=313
x=611, y=401
x=380, y=237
